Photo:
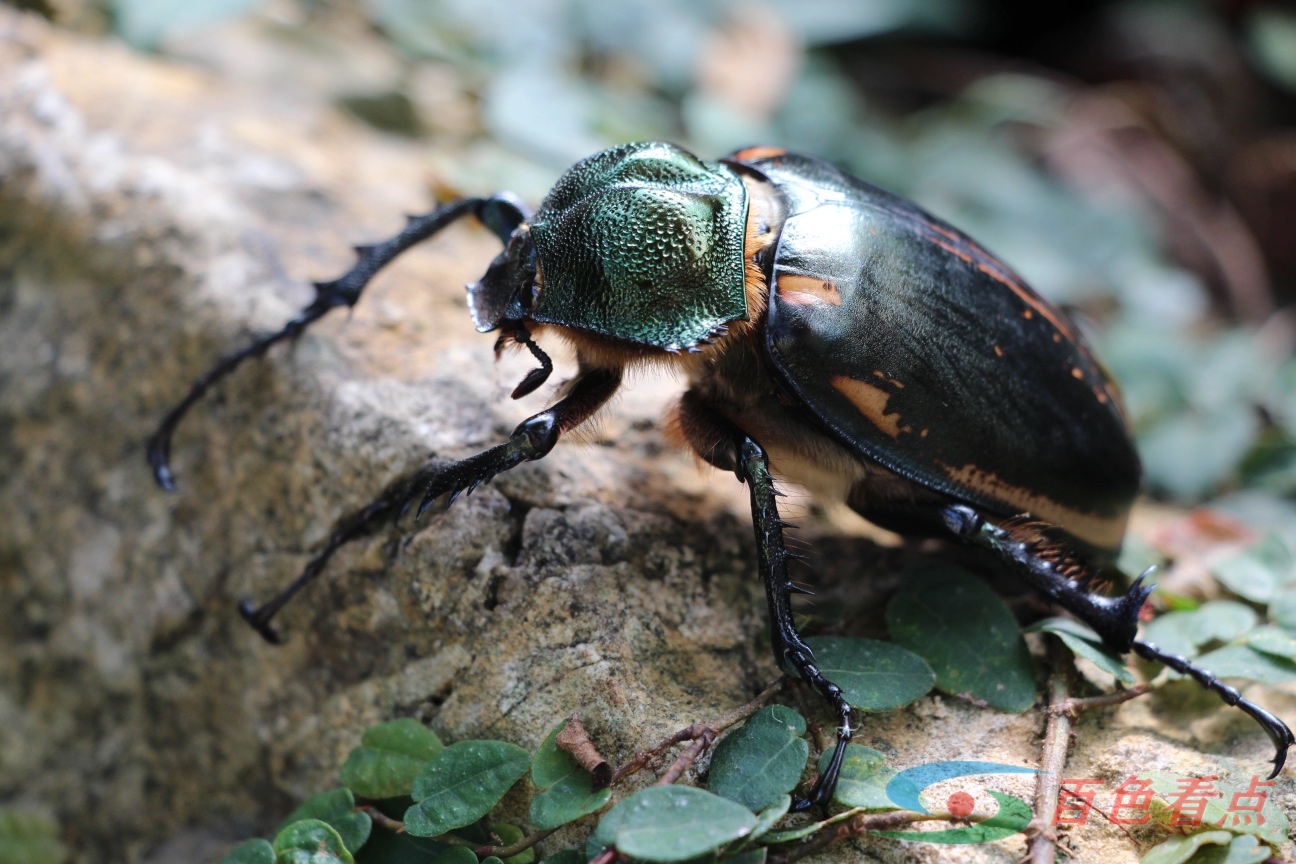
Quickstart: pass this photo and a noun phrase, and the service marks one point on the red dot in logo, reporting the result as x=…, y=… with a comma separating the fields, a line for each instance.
x=960, y=805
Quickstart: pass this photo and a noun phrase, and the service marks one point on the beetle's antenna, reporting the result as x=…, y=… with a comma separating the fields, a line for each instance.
x=535, y=377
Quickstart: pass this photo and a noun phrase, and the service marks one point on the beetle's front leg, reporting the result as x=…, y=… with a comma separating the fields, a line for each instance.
x=790, y=649
x=1115, y=619
x=533, y=439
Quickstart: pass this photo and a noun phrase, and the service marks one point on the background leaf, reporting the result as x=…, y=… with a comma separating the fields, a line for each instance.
x=566, y=790
x=30, y=838
x=759, y=763
x=1084, y=642
x=310, y=841
x=966, y=633
x=254, y=851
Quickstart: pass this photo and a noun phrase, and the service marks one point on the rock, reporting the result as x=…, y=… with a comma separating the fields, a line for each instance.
x=152, y=216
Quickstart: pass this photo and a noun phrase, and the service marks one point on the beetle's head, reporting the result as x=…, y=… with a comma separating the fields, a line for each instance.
x=642, y=243
x=507, y=291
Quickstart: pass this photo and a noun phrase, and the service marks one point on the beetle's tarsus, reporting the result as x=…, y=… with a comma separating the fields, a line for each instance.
x=1277, y=730
x=354, y=526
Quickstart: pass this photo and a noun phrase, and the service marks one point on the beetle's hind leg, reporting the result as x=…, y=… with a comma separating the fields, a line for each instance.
x=1063, y=579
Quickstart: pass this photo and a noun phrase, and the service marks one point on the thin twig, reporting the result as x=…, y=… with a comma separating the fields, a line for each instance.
x=1074, y=707
x=688, y=757
x=382, y=820
x=692, y=733
x=520, y=846
x=857, y=826
x=1041, y=843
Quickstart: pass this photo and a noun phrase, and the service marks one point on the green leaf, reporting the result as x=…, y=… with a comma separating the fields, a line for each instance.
x=1222, y=620
x=254, y=851
x=1244, y=849
x=1242, y=661
x=566, y=789
x=762, y=761
x=874, y=676
x=1282, y=611
x=511, y=834
x=491, y=859
x=1273, y=640
x=337, y=808
x=29, y=838
x=1274, y=831
x=1258, y=573
x=310, y=841
x=864, y=777
x=966, y=633
x=1174, y=633
x=1085, y=643
x=456, y=855
x=462, y=783
x=673, y=823
x=390, y=755
x=769, y=817
x=1179, y=848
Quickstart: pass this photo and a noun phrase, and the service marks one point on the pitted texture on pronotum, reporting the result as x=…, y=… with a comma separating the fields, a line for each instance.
x=643, y=243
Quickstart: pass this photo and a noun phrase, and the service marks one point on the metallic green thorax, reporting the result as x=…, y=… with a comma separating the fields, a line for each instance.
x=643, y=243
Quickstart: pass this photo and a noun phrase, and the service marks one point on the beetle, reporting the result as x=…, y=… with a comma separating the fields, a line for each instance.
x=832, y=334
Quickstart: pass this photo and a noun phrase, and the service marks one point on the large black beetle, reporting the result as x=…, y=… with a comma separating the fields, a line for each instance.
x=832, y=334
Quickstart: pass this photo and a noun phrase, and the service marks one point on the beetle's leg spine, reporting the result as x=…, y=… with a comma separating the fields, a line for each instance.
x=790, y=649
x=1277, y=730
x=497, y=212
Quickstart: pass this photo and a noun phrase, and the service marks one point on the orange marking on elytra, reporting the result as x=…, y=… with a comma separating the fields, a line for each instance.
x=1103, y=531
x=1076, y=373
x=998, y=351
x=807, y=290
x=758, y=152
x=871, y=400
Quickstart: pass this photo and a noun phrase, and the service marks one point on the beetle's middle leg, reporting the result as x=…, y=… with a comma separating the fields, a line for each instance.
x=533, y=439
x=723, y=444
x=1115, y=619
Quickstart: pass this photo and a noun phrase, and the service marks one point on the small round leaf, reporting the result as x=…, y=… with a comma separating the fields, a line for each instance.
x=462, y=783
x=310, y=841
x=673, y=823
x=456, y=855
x=762, y=761
x=863, y=780
x=390, y=755
x=874, y=676
x=566, y=790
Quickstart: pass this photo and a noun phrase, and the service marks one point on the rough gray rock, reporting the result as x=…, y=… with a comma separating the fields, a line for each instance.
x=151, y=217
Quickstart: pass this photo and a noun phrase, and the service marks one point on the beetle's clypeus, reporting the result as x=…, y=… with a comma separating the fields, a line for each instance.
x=831, y=333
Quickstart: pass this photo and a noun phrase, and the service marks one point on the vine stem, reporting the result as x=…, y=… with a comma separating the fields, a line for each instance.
x=1063, y=711
x=514, y=848
x=701, y=734
x=856, y=826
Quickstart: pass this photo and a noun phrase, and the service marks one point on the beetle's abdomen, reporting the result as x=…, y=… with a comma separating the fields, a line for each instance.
x=643, y=243
x=930, y=357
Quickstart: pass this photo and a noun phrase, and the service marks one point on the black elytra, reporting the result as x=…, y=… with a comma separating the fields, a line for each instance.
x=833, y=335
